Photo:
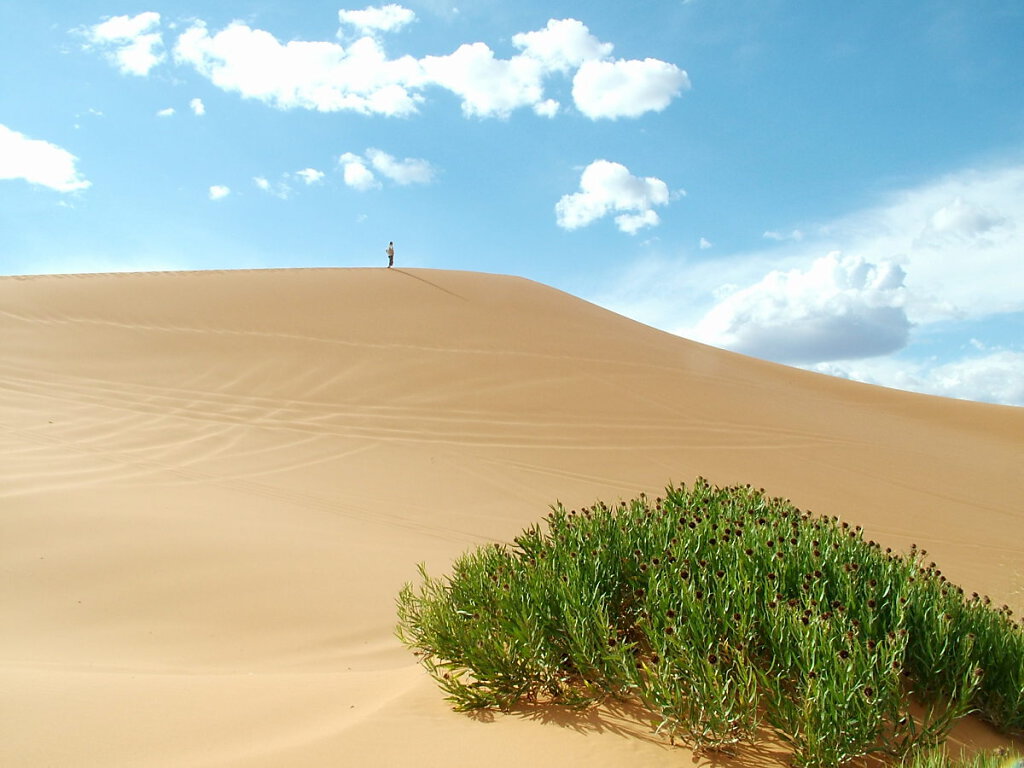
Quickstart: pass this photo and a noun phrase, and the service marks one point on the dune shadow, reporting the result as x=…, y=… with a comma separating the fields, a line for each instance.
x=428, y=282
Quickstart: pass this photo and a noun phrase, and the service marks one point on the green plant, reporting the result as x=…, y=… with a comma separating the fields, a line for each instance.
x=721, y=610
x=937, y=758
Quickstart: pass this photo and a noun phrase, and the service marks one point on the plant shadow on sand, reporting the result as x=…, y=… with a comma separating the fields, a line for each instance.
x=631, y=720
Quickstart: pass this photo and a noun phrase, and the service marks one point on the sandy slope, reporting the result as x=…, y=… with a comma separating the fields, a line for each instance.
x=213, y=485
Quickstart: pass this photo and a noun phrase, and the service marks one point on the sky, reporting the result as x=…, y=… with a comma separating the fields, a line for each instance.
x=831, y=185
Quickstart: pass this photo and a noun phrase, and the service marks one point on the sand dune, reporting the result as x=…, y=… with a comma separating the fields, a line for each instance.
x=214, y=484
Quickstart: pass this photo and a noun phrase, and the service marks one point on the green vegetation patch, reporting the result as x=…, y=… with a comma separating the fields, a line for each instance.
x=939, y=759
x=724, y=612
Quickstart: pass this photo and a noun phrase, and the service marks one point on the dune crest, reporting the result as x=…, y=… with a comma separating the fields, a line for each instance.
x=214, y=484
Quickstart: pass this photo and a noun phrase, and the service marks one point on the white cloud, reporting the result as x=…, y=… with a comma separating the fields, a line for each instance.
x=38, y=162
x=132, y=43
x=840, y=308
x=958, y=240
x=404, y=172
x=705, y=244
x=310, y=175
x=607, y=187
x=165, y=112
x=356, y=174
x=781, y=237
x=547, y=108
x=562, y=45
x=311, y=75
x=361, y=77
x=961, y=220
x=631, y=223
x=385, y=18
x=197, y=107
x=997, y=377
x=218, y=192
x=280, y=189
x=613, y=89
x=488, y=86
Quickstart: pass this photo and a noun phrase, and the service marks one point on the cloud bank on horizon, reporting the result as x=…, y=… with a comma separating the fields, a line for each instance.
x=544, y=141
x=943, y=259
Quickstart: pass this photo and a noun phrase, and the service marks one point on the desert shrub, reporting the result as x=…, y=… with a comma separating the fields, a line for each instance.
x=723, y=611
x=938, y=758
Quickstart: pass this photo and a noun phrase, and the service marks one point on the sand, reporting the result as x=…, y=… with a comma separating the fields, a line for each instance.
x=214, y=483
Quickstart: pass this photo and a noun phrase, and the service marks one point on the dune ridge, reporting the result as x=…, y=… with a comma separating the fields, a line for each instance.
x=216, y=482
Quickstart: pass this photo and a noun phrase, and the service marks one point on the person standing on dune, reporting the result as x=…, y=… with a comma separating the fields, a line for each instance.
x=391, y=254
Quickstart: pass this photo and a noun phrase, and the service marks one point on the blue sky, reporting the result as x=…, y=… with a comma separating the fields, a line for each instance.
x=833, y=185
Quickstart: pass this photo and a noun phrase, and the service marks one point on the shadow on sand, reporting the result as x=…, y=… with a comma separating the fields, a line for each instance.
x=423, y=280
x=632, y=721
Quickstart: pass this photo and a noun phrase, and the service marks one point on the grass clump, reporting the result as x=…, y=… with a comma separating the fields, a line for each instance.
x=722, y=611
x=939, y=759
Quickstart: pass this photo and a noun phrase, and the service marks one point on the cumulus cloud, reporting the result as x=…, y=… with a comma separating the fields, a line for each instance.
x=959, y=238
x=563, y=45
x=197, y=107
x=359, y=75
x=166, y=112
x=38, y=162
x=404, y=172
x=132, y=43
x=960, y=220
x=629, y=88
x=547, y=108
x=310, y=175
x=705, y=244
x=494, y=87
x=356, y=174
x=487, y=85
x=840, y=308
x=607, y=187
x=319, y=76
x=218, y=192
x=370, y=20
x=942, y=255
